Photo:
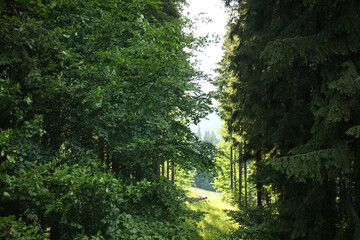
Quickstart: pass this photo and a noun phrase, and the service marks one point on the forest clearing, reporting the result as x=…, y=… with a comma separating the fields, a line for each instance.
x=216, y=222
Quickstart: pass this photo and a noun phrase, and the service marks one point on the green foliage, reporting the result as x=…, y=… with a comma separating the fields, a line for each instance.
x=184, y=178
x=92, y=95
x=210, y=138
x=289, y=86
x=203, y=178
x=91, y=71
x=354, y=131
x=204, y=181
x=255, y=223
x=222, y=181
x=10, y=228
x=77, y=200
x=309, y=167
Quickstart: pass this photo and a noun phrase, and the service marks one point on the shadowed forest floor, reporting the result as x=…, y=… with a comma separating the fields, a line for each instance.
x=215, y=223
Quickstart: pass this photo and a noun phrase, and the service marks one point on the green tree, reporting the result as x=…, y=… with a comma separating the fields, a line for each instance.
x=290, y=88
x=223, y=179
x=210, y=137
x=93, y=96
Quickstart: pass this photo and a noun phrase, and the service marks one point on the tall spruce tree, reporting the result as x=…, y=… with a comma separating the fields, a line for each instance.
x=290, y=85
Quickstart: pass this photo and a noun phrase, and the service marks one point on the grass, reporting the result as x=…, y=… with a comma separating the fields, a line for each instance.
x=216, y=222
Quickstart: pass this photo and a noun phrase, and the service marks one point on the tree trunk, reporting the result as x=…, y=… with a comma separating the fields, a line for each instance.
x=172, y=172
x=157, y=168
x=258, y=184
x=168, y=169
x=115, y=165
x=163, y=169
x=267, y=196
x=234, y=171
x=259, y=194
x=245, y=183
x=231, y=169
x=240, y=174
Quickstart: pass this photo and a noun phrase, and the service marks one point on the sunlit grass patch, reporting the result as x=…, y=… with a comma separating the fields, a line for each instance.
x=215, y=222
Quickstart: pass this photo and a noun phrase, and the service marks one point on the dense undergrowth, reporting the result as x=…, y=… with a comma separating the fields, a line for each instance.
x=84, y=202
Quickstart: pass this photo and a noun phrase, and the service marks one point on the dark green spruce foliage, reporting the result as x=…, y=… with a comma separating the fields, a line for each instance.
x=291, y=89
x=93, y=95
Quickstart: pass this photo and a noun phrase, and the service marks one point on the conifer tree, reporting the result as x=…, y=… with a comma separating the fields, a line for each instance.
x=290, y=85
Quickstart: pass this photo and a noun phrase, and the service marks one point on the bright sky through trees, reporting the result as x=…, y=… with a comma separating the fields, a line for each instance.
x=209, y=17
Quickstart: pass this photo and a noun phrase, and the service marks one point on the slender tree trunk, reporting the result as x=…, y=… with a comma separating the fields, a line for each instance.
x=267, y=196
x=173, y=172
x=102, y=150
x=259, y=195
x=157, y=168
x=235, y=173
x=115, y=164
x=163, y=169
x=245, y=183
x=168, y=169
x=240, y=174
x=258, y=185
x=231, y=169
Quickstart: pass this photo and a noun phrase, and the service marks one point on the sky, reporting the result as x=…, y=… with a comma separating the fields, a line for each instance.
x=210, y=18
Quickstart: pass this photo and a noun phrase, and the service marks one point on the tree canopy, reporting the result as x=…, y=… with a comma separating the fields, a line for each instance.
x=289, y=86
x=94, y=95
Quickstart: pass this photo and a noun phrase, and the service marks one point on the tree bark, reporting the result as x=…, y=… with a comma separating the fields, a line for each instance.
x=245, y=183
x=115, y=165
x=163, y=169
x=102, y=150
x=168, y=169
x=234, y=172
x=240, y=174
x=259, y=194
x=267, y=196
x=258, y=184
x=157, y=168
x=231, y=169
x=172, y=172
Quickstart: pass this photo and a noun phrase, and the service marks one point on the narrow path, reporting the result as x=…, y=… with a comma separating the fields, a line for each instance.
x=215, y=222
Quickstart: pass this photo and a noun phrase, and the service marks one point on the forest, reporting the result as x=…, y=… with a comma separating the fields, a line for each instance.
x=289, y=91
x=97, y=99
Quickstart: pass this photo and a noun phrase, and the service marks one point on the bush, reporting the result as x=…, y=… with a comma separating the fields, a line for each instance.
x=255, y=223
x=78, y=202
x=10, y=228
